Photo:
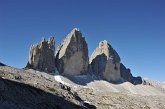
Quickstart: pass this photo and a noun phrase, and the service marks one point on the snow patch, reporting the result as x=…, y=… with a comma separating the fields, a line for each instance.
x=3, y=77
x=58, y=78
x=87, y=102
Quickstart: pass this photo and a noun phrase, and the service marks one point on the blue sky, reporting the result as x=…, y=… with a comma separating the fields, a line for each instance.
x=135, y=28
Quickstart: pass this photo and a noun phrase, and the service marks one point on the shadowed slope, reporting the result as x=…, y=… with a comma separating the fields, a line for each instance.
x=14, y=95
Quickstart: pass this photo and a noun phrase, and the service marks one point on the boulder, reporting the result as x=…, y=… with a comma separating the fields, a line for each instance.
x=105, y=62
x=42, y=56
x=72, y=54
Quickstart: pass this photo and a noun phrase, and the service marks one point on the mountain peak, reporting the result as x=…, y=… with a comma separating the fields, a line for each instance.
x=72, y=54
x=76, y=29
x=41, y=56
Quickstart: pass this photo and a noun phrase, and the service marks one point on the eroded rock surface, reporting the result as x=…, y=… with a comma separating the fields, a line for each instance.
x=31, y=89
x=105, y=62
x=72, y=54
x=126, y=75
x=42, y=56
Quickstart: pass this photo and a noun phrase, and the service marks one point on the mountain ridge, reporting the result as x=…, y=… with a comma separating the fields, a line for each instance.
x=68, y=79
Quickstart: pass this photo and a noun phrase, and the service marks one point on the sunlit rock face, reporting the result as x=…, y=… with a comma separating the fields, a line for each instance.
x=42, y=56
x=72, y=54
x=105, y=62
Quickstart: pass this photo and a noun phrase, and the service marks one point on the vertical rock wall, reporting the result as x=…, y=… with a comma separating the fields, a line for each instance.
x=72, y=54
x=105, y=62
x=42, y=56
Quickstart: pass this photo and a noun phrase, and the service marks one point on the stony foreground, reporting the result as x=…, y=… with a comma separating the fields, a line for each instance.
x=22, y=89
x=30, y=89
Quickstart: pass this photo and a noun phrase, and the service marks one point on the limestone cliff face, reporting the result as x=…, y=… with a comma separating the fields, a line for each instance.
x=42, y=56
x=72, y=59
x=72, y=54
x=105, y=62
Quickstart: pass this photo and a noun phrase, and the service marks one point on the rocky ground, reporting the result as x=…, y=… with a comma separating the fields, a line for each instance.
x=105, y=95
x=103, y=98
x=30, y=89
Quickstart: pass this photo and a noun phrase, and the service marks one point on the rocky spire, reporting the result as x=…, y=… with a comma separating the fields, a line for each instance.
x=105, y=62
x=42, y=56
x=72, y=54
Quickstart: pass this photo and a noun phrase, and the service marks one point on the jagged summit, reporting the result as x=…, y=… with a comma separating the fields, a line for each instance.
x=105, y=48
x=75, y=29
x=42, y=56
x=75, y=36
x=104, y=42
x=72, y=54
x=72, y=59
x=105, y=62
x=104, y=82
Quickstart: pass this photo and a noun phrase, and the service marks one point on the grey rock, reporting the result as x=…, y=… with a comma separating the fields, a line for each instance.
x=157, y=84
x=42, y=56
x=72, y=54
x=1, y=64
x=35, y=91
x=105, y=62
x=41, y=91
x=125, y=73
x=127, y=76
x=30, y=98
